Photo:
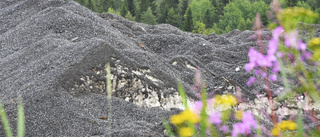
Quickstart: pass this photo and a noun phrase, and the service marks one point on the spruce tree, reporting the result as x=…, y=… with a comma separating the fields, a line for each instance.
x=144, y=4
x=148, y=18
x=131, y=7
x=188, y=21
x=90, y=5
x=208, y=19
x=184, y=6
x=163, y=12
x=124, y=9
x=242, y=25
x=291, y=3
x=172, y=18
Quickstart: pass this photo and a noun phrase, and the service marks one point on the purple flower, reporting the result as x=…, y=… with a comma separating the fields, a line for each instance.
x=301, y=45
x=291, y=39
x=277, y=32
x=273, y=77
x=197, y=106
x=248, y=122
x=215, y=118
x=224, y=128
x=276, y=67
x=307, y=54
x=273, y=47
x=250, y=81
x=237, y=129
x=250, y=66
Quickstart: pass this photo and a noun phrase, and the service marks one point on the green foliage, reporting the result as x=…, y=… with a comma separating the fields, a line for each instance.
x=242, y=25
x=20, y=121
x=131, y=7
x=303, y=4
x=249, y=24
x=90, y=5
x=208, y=19
x=291, y=3
x=173, y=18
x=199, y=28
x=262, y=8
x=184, y=6
x=188, y=21
x=291, y=17
x=124, y=9
x=129, y=16
x=111, y=10
x=164, y=9
x=199, y=9
x=148, y=18
x=232, y=16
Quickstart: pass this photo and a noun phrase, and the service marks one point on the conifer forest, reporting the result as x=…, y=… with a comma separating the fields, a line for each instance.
x=197, y=16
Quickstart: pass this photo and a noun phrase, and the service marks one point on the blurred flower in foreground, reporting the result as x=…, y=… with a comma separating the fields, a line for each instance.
x=185, y=116
x=283, y=126
x=248, y=122
x=314, y=44
x=186, y=132
x=257, y=59
x=225, y=101
x=182, y=120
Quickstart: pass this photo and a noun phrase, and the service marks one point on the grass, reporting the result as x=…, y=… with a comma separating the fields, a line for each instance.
x=20, y=121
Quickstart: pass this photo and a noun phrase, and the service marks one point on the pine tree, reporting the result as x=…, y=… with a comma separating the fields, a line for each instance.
x=208, y=19
x=172, y=18
x=131, y=7
x=148, y=18
x=184, y=6
x=124, y=9
x=242, y=25
x=188, y=21
x=90, y=5
x=164, y=9
x=144, y=4
x=129, y=16
x=249, y=24
x=153, y=6
x=291, y=3
x=81, y=2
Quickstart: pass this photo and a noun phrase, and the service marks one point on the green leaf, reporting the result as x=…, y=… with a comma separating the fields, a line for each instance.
x=183, y=95
x=5, y=121
x=167, y=127
x=21, y=120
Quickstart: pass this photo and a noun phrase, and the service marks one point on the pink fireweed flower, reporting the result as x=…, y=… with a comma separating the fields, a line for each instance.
x=291, y=39
x=248, y=122
x=273, y=77
x=269, y=60
x=277, y=32
x=250, y=81
x=301, y=45
x=215, y=118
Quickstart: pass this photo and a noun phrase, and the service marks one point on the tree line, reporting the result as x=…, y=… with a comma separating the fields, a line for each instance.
x=197, y=16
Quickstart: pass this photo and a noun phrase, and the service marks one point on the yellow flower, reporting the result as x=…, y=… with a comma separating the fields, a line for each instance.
x=186, y=132
x=288, y=125
x=176, y=119
x=226, y=100
x=283, y=126
x=314, y=42
x=276, y=130
x=238, y=114
x=185, y=116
